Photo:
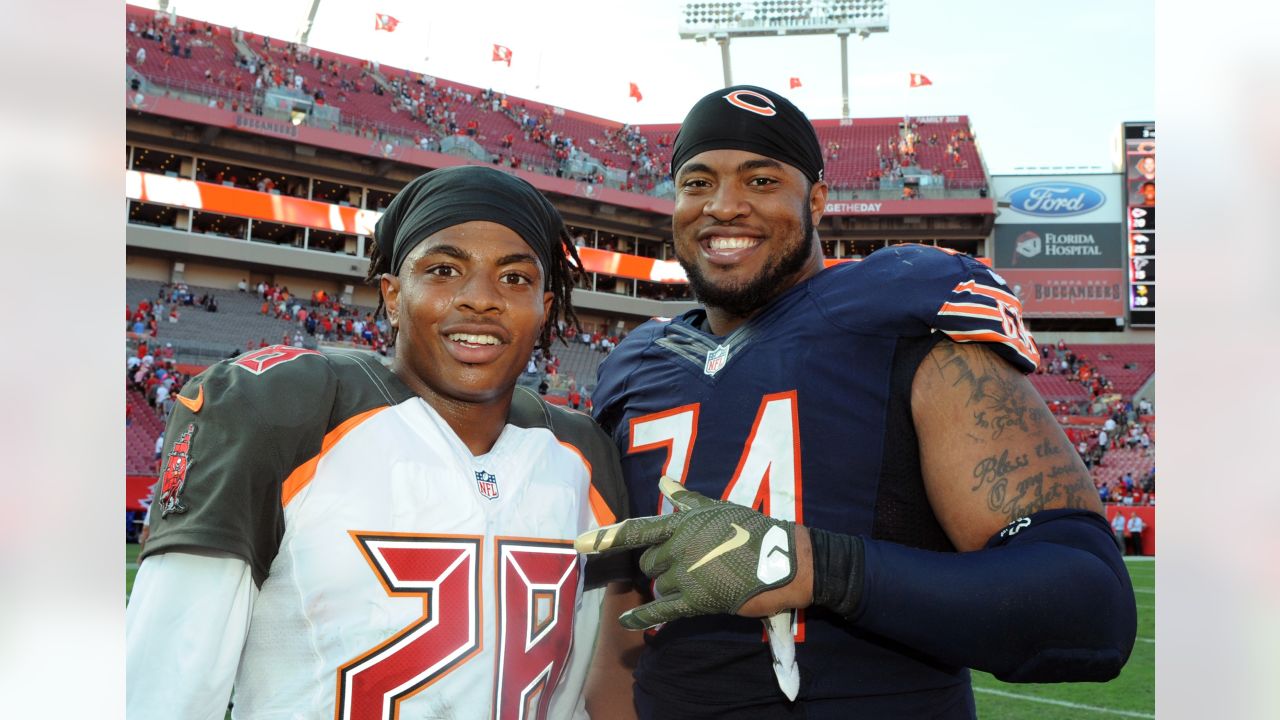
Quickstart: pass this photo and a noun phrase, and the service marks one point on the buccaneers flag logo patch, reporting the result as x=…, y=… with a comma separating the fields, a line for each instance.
x=175, y=473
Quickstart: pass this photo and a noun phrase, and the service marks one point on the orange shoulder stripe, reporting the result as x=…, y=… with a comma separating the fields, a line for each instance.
x=599, y=508
x=303, y=474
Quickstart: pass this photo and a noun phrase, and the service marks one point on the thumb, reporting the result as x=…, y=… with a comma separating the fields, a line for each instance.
x=656, y=612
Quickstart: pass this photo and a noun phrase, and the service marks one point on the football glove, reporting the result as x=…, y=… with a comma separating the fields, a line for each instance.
x=709, y=557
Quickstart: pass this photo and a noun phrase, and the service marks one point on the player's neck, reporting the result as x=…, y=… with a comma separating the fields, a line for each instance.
x=477, y=424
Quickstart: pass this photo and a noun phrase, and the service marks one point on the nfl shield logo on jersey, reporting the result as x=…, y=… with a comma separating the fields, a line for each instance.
x=716, y=360
x=487, y=484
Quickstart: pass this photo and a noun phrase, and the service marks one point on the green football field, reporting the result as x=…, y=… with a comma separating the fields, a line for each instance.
x=1130, y=695
x=1133, y=694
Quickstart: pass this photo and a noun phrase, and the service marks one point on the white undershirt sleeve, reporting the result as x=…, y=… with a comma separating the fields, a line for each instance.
x=185, y=628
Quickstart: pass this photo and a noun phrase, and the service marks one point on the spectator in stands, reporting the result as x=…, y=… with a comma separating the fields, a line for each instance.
x=140, y=57
x=1133, y=438
x=159, y=450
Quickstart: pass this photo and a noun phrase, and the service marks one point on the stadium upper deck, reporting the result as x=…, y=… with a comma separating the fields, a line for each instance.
x=214, y=119
x=868, y=158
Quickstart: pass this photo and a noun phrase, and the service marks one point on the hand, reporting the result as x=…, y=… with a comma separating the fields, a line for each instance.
x=709, y=557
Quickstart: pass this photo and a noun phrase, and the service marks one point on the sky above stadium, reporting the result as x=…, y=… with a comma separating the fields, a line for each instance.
x=1043, y=83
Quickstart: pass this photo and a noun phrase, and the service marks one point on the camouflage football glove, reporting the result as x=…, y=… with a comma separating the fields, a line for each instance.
x=709, y=557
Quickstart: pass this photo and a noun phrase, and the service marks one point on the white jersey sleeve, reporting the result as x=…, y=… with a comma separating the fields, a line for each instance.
x=185, y=628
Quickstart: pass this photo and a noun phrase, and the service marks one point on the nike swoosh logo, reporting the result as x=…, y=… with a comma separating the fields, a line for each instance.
x=193, y=405
x=740, y=537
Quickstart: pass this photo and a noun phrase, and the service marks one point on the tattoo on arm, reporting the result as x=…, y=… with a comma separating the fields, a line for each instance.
x=1004, y=408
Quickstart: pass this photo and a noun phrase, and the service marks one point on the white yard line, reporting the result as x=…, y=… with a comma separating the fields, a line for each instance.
x=1063, y=703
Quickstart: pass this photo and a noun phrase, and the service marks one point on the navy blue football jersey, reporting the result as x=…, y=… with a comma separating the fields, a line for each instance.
x=803, y=412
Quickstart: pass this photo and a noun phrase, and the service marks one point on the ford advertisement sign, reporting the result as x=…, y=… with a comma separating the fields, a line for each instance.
x=1055, y=199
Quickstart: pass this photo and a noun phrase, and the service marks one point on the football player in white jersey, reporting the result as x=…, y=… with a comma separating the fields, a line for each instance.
x=333, y=539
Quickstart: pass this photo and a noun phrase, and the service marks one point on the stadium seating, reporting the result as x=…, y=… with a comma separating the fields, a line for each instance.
x=201, y=334
x=852, y=162
x=578, y=361
x=1057, y=387
x=215, y=53
x=1120, y=461
x=140, y=437
x=1128, y=367
x=853, y=167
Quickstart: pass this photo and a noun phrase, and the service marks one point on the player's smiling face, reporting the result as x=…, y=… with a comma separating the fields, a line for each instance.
x=743, y=228
x=468, y=305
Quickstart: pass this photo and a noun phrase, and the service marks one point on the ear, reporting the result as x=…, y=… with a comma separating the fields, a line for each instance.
x=390, y=285
x=547, y=297
x=818, y=201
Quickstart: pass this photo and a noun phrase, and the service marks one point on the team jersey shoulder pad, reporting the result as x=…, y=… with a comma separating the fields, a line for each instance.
x=364, y=384
x=578, y=431
x=279, y=385
x=240, y=428
x=912, y=290
x=616, y=370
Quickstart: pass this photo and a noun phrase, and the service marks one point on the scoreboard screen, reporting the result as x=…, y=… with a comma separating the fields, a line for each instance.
x=1140, y=185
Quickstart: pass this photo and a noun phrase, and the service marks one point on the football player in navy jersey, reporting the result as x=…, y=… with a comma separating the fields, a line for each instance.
x=854, y=450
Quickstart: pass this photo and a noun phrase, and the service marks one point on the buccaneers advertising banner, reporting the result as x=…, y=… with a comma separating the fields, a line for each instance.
x=1068, y=293
x=1060, y=243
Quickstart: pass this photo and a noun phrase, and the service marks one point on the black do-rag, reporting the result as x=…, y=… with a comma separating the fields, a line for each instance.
x=746, y=117
x=452, y=196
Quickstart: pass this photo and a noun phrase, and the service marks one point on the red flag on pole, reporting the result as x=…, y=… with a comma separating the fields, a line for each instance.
x=384, y=22
x=918, y=80
x=502, y=53
x=795, y=83
x=635, y=92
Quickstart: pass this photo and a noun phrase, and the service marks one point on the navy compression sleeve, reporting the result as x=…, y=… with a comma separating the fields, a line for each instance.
x=1047, y=600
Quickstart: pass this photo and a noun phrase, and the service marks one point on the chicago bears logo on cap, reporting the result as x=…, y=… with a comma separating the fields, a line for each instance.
x=735, y=99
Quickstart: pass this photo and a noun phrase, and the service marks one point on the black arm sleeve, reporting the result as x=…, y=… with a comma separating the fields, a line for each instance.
x=1047, y=600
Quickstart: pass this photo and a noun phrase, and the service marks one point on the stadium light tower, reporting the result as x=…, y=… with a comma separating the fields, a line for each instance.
x=305, y=31
x=725, y=19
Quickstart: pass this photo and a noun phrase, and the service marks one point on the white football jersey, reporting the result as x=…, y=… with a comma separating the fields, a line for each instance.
x=441, y=585
x=399, y=576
